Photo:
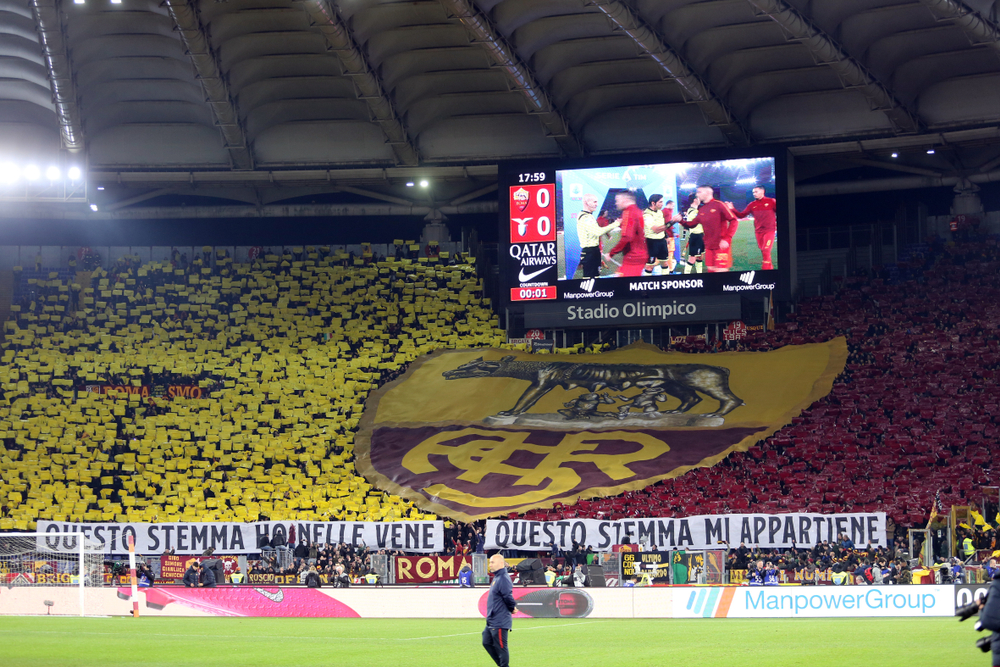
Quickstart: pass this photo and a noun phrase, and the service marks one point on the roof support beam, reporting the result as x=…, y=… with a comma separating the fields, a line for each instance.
x=886, y=184
x=145, y=196
x=272, y=211
x=206, y=64
x=979, y=28
x=49, y=26
x=355, y=64
x=696, y=89
x=469, y=196
x=520, y=77
x=852, y=74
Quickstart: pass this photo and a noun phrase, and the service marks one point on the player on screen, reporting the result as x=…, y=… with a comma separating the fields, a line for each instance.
x=720, y=225
x=657, y=232
x=695, y=246
x=590, y=231
x=633, y=237
x=765, y=224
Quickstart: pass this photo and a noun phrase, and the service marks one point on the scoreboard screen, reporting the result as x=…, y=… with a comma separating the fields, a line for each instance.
x=586, y=233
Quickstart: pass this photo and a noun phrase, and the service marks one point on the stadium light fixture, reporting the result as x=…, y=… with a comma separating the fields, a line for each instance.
x=9, y=172
x=424, y=184
x=32, y=172
x=410, y=184
x=78, y=2
x=895, y=155
x=74, y=173
x=93, y=207
x=930, y=151
x=689, y=185
x=53, y=173
x=116, y=2
x=746, y=180
x=100, y=187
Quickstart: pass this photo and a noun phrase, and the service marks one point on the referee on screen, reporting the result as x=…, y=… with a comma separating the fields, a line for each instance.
x=499, y=607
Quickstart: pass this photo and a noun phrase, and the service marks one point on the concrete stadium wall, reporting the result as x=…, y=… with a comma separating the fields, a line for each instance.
x=440, y=602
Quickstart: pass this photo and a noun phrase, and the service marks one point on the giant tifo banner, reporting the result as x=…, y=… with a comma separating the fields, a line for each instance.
x=780, y=531
x=427, y=569
x=472, y=434
x=238, y=538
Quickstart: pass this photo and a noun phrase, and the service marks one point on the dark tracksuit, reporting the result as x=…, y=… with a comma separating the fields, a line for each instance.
x=499, y=606
x=990, y=617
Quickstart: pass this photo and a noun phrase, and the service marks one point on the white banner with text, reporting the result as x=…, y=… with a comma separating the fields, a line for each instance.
x=780, y=531
x=237, y=538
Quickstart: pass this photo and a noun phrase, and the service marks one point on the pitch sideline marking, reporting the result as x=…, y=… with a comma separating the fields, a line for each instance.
x=270, y=637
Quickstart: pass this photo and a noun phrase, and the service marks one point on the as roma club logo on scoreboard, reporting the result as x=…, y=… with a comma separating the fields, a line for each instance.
x=533, y=241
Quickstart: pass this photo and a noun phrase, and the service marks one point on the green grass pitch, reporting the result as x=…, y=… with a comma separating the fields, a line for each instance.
x=264, y=642
x=746, y=254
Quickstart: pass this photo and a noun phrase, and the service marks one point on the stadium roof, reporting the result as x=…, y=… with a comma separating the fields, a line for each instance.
x=252, y=102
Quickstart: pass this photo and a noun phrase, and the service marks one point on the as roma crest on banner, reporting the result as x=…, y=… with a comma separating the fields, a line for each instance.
x=476, y=433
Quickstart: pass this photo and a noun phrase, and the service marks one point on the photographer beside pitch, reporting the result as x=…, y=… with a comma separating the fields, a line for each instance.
x=989, y=618
x=499, y=606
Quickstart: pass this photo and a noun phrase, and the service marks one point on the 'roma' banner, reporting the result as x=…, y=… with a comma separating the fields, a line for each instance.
x=426, y=569
x=477, y=433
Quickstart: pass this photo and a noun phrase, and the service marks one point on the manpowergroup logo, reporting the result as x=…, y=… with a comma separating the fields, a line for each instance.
x=589, y=291
x=748, y=278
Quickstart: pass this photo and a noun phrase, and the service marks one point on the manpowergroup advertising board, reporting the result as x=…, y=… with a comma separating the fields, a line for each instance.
x=566, y=604
x=675, y=238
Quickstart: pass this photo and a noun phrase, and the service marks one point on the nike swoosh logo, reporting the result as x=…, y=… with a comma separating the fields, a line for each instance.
x=273, y=597
x=526, y=278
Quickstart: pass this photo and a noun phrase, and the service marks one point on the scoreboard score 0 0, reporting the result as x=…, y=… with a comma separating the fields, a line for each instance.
x=559, y=222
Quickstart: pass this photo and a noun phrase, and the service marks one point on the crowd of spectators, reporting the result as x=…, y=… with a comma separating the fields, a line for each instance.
x=913, y=415
x=287, y=347
x=205, y=390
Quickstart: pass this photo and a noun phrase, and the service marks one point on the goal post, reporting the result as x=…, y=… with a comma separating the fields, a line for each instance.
x=30, y=563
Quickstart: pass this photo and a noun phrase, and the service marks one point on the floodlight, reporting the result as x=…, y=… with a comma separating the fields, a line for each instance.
x=410, y=184
x=52, y=173
x=74, y=173
x=9, y=172
x=424, y=184
x=93, y=207
x=32, y=172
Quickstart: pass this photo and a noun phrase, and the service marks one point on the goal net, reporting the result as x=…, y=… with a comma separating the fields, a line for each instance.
x=31, y=564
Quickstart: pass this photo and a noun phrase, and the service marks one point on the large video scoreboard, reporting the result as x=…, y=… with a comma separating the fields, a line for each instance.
x=711, y=228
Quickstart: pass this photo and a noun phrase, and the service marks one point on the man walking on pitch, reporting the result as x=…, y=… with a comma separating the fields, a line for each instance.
x=499, y=607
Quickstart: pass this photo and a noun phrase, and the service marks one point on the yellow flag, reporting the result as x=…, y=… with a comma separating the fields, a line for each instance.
x=977, y=517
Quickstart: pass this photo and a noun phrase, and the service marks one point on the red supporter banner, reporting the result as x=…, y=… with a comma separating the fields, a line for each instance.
x=143, y=391
x=172, y=568
x=170, y=391
x=45, y=578
x=428, y=569
x=185, y=391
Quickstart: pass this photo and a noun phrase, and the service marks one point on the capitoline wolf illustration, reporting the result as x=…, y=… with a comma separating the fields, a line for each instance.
x=682, y=381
